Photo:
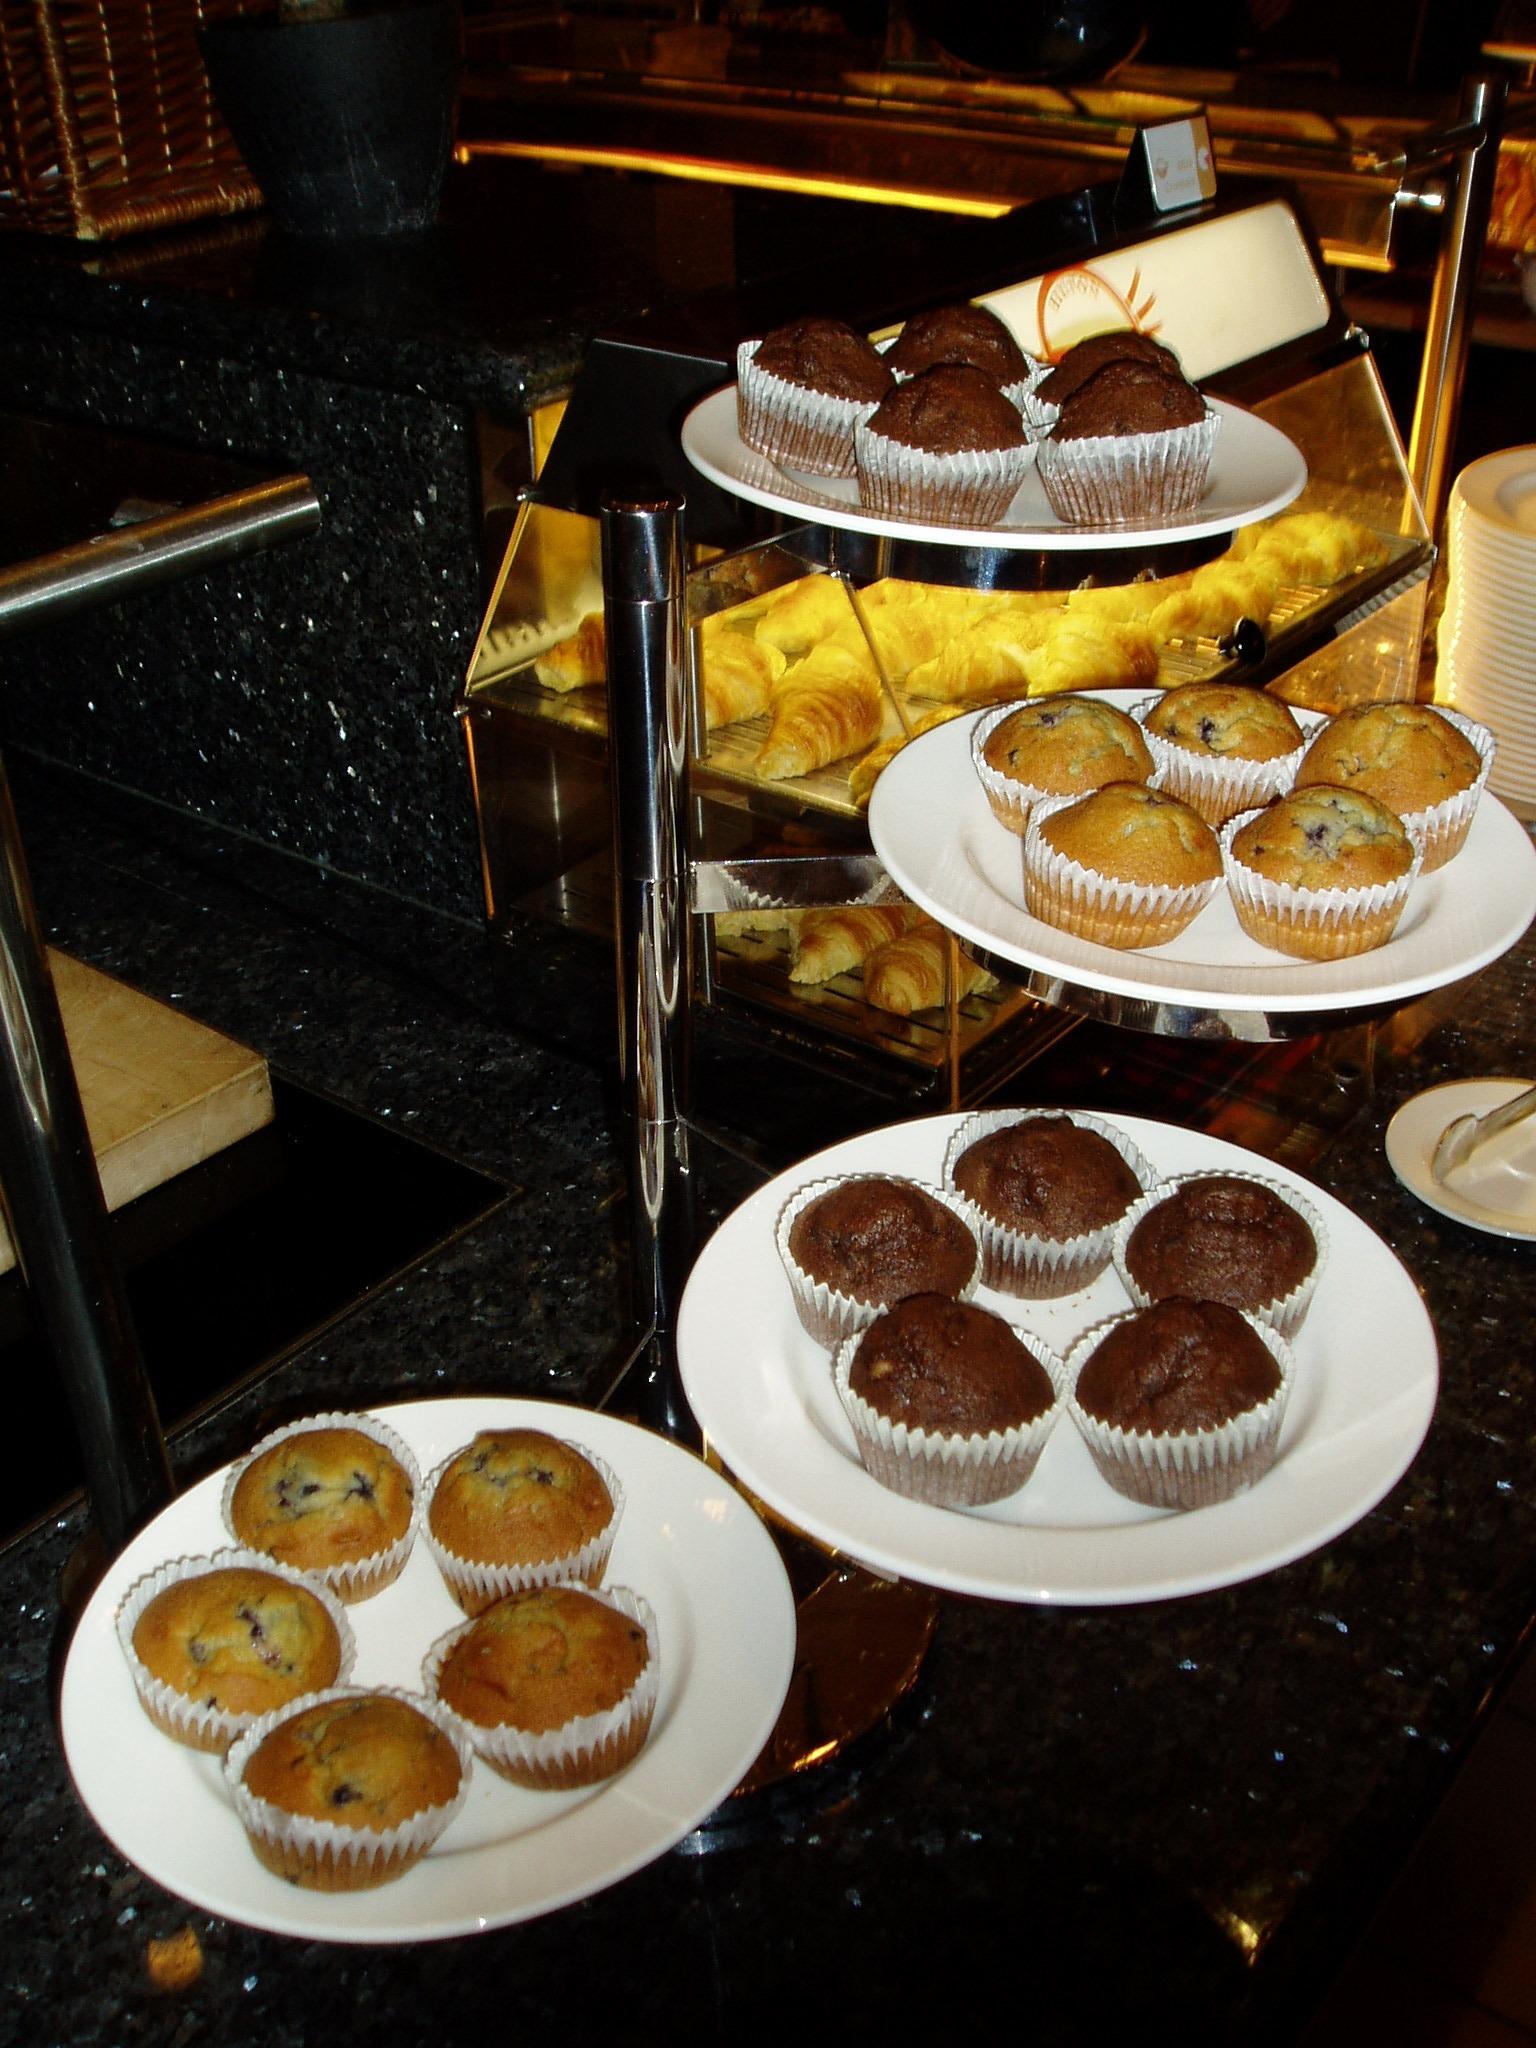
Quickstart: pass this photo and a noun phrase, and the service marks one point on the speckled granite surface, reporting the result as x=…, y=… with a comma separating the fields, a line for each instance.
x=1185, y=1806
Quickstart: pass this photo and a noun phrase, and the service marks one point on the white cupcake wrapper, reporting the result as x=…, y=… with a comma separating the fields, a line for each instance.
x=827, y=1314
x=1330, y=924
x=963, y=489
x=1218, y=786
x=365, y=1856
x=193, y=1721
x=1129, y=479
x=583, y=1750
x=1013, y=800
x=361, y=1577
x=948, y=1471
x=1190, y=1468
x=476, y=1586
x=1442, y=828
x=1285, y=1312
x=1021, y=1262
x=801, y=429
x=1071, y=898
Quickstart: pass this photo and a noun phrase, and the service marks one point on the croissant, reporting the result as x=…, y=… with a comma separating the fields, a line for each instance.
x=1132, y=602
x=1313, y=547
x=907, y=974
x=1217, y=596
x=865, y=773
x=831, y=941
x=730, y=922
x=1087, y=653
x=582, y=657
x=739, y=674
x=990, y=653
x=803, y=613
x=824, y=707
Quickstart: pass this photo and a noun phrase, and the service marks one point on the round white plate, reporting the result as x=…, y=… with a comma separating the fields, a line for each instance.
x=939, y=841
x=1501, y=488
x=1496, y=1190
x=1256, y=471
x=1367, y=1375
x=726, y=1618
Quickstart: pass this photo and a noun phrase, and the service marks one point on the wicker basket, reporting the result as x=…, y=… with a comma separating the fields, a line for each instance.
x=107, y=123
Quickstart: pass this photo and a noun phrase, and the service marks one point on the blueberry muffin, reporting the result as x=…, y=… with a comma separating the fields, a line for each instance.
x=1428, y=766
x=801, y=389
x=1123, y=866
x=518, y=1507
x=1054, y=746
x=334, y=1495
x=1222, y=748
x=1321, y=873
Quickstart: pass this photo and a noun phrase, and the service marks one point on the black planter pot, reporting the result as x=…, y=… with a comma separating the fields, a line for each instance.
x=346, y=125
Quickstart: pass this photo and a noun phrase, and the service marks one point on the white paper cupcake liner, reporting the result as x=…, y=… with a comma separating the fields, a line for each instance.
x=476, y=1586
x=1071, y=898
x=1020, y=1262
x=1218, y=786
x=964, y=489
x=361, y=1577
x=1011, y=798
x=1190, y=1468
x=583, y=1750
x=1314, y=924
x=1285, y=1312
x=827, y=1314
x=948, y=1471
x=1442, y=828
x=800, y=429
x=193, y=1721
x=1129, y=479
x=322, y=1855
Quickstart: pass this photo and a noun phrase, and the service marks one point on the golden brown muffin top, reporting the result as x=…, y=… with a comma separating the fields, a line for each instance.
x=1325, y=838
x=1405, y=755
x=322, y=1497
x=876, y=1238
x=1133, y=834
x=1225, y=719
x=1067, y=744
x=540, y=1658
x=1047, y=1176
x=238, y=1640
x=519, y=1496
x=1179, y=1365
x=369, y=1762
x=946, y=1366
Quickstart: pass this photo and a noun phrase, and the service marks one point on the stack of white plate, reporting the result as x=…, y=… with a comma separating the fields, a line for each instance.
x=1487, y=640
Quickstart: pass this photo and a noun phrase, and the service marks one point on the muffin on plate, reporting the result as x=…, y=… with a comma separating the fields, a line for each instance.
x=1131, y=445
x=214, y=1642
x=1054, y=746
x=854, y=1244
x=1427, y=765
x=968, y=334
x=946, y=448
x=555, y=1686
x=1229, y=1237
x=348, y=1788
x=801, y=389
x=517, y=1508
x=1048, y=1189
x=1222, y=748
x=1086, y=358
x=1180, y=1403
x=1123, y=866
x=1320, y=873
x=334, y=1494
x=949, y=1404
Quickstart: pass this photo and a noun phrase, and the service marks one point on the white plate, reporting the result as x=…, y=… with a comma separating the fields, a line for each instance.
x=1255, y=472
x=1496, y=1190
x=726, y=1618
x=938, y=839
x=1501, y=489
x=762, y=1389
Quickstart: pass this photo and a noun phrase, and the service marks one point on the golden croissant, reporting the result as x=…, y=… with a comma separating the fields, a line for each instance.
x=989, y=654
x=907, y=974
x=865, y=773
x=1217, y=596
x=802, y=613
x=831, y=941
x=1313, y=547
x=580, y=658
x=828, y=705
x=739, y=673
x=1087, y=653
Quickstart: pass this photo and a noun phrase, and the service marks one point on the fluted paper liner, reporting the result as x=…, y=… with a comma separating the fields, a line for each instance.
x=1022, y=1262
x=1012, y=799
x=967, y=488
x=360, y=1577
x=828, y=1314
x=1071, y=898
x=192, y=1721
x=585, y=1749
x=1314, y=924
x=1129, y=479
x=1283, y=1312
x=1183, y=1469
x=324, y=1855
x=1442, y=828
x=800, y=429
x=948, y=1471
x=1218, y=786
x=476, y=1586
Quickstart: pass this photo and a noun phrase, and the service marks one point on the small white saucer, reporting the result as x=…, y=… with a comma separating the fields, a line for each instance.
x=1496, y=1189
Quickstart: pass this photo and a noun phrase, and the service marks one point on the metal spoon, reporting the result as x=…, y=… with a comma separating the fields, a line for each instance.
x=1462, y=1136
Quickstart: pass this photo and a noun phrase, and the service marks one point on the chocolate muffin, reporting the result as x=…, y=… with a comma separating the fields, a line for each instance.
x=1048, y=1191
x=1224, y=1237
x=801, y=390
x=946, y=446
x=825, y=356
x=1129, y=444
x=1128, y=397
x=960, y=334
x=1086, y=358
x=948, y=1404
x=853, y=1246
x=949, y=409
x=1180, y=1403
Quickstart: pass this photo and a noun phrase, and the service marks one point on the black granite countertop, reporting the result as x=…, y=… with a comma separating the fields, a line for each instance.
x=1091, y=1814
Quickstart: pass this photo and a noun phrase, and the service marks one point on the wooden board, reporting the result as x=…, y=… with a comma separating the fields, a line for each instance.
x=161, y=1092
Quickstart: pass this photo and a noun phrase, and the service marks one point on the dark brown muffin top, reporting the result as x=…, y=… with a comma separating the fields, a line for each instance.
x=1222, y=1238
x=824, y=355
x=959, y=334
x=1085, y=358
x=949, y=410
x=1128, y=397
x=1181, y=1364
x=1048, y=1177
x=947, y=1366
x=879, y=1239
